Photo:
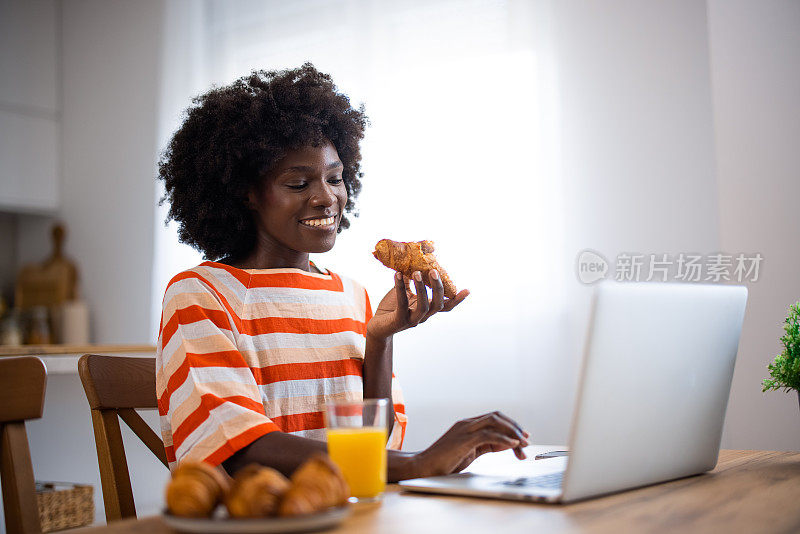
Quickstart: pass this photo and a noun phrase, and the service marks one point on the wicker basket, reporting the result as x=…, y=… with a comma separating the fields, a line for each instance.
x=64, y=505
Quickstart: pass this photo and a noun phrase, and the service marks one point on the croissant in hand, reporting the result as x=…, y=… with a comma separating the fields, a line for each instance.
x=407, y=257
x=316, y=485
x=195, y=489
x=257, y=491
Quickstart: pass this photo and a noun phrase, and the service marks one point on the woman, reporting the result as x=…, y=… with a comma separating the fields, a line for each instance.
x=252, y=344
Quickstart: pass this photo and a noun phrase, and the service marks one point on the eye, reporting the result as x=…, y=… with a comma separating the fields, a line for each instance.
x=335, y=181
x=296, y=187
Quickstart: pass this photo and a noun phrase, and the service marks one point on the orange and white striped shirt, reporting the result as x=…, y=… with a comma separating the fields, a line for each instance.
x=242, y=353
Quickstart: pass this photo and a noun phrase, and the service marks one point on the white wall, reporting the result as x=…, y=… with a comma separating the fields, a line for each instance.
x=111, y=60
x=636, y=121
x=679, y=134
x=636, y=156
x=755, y=66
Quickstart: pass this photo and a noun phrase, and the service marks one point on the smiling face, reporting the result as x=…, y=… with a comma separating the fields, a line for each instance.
x=299, y=205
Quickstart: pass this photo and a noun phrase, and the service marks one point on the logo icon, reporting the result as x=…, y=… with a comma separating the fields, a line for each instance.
x=591, y=266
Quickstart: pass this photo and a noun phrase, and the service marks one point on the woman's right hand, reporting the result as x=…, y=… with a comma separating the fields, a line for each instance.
x=468, y=439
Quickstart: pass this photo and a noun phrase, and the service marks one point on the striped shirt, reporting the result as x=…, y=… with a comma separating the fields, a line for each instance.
x=245, y=352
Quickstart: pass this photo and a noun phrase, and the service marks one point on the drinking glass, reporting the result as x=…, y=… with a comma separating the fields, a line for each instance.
x=357, y=434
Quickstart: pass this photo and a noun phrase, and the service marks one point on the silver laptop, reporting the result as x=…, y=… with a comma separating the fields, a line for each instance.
x=651, y=401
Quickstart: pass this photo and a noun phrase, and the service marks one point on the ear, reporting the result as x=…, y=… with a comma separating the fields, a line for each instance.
x=250, y=200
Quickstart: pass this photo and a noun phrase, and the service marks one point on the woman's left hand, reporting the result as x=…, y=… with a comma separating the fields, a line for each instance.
x=401, y=309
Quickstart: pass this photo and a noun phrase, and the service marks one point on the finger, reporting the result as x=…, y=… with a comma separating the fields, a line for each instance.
x=499, y=424
x=519, y=451
x=437, y=288
x=491, y=441
x=407, y=282
x=421, y=307
x=402, y=296
x=455, y=301
x=522, y=432
x=409, y=294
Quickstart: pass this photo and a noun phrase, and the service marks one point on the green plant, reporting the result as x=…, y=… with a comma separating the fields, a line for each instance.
x=785, y=370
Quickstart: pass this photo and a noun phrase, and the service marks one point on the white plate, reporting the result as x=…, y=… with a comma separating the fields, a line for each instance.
x=226, y=525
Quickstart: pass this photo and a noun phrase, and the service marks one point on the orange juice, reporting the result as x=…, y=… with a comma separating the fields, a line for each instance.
x=361, y=455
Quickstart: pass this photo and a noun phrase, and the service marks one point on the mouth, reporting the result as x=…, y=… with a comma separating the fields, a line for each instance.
x=324, y=223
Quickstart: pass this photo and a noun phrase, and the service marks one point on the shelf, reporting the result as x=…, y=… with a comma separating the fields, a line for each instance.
x=50, y=350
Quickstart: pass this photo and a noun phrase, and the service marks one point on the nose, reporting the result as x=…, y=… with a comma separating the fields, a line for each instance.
x=322, y=195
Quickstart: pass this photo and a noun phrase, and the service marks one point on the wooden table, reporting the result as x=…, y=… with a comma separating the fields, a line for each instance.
x=749, y=491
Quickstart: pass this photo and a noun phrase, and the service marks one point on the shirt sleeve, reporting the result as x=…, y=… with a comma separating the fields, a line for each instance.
x=208, y=400
x=400, y=419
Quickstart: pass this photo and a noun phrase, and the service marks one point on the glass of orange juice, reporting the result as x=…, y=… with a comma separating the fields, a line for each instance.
x=357, y=434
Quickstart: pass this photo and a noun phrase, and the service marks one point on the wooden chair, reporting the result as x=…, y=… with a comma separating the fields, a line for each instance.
x=116, y=386
x=22, y=385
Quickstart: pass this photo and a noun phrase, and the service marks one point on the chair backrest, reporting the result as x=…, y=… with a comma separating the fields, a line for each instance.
x=22, y=385
x=116, y=386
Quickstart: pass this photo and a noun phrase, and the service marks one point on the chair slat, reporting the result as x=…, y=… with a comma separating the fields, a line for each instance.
x=144, y=433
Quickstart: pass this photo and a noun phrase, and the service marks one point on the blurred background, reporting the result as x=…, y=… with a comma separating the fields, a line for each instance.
x=515, y=134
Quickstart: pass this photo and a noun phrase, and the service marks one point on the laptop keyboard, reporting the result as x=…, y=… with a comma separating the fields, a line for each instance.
x=551, y=481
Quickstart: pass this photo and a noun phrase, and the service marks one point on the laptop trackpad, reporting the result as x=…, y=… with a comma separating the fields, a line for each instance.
x=505, y=464
x=550, y=481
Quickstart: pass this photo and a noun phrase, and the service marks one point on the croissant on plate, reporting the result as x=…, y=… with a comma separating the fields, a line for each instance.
x=316, y=485
x=256, y=492
x=407, y=257
x=195, y=489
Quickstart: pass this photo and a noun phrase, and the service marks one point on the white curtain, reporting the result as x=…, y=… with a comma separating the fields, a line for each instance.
x=513, y=133
x=460, y=151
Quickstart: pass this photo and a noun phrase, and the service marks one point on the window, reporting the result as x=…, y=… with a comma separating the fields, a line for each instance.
x=459, y=151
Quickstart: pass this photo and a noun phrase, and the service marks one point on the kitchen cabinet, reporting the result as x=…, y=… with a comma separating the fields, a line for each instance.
x=29, y=106
x=28, y=163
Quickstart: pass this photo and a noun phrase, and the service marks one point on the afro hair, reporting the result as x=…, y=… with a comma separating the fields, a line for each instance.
x=232, y=135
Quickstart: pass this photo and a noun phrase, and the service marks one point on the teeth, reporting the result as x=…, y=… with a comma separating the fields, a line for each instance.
x=319, y=222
